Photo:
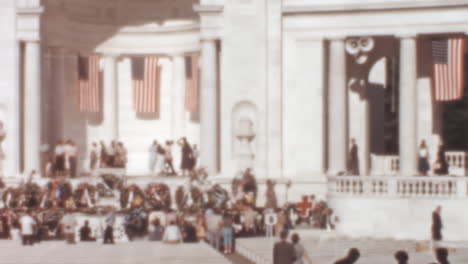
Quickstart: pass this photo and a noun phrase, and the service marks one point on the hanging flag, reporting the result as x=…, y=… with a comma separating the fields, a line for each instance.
x=88, y=84
x=192, y=88
x=146, y=81
x=448, y=67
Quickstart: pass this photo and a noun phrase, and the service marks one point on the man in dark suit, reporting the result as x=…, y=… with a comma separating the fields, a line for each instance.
x=436, y=225
x=283, y=251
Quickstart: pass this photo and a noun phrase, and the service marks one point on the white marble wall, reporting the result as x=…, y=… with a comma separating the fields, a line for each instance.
x=404, y=218
x=9, y=100
x=303, y=110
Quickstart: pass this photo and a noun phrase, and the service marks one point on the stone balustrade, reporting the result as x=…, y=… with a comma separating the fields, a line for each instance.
x=390, y=164
x=407, y=187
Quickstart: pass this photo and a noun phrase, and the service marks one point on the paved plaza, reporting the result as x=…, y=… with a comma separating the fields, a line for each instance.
x=137, y=252
x=327, y=247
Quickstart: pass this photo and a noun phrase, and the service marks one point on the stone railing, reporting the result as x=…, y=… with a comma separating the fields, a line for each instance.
x=390, y=164
x=420, y=187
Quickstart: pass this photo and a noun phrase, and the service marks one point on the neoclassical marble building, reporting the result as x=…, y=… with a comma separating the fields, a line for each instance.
x=281, y=91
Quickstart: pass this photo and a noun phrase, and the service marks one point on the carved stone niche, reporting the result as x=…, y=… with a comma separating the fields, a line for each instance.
x=244, y=132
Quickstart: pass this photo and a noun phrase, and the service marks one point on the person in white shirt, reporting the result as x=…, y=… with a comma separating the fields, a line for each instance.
x=172, y=234
x=153, y=155
x=69, y=225
x=27, y=224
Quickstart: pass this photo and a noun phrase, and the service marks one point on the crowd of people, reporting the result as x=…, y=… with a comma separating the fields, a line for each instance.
x=112, y=156
x=285, y=252
x=440, y=166
x=59, y=160
x=161, y=157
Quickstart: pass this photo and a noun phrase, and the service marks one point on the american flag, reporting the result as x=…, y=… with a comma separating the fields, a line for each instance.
x=146, y=78
x=192, y=77
x=88, y=84
x=448, y=67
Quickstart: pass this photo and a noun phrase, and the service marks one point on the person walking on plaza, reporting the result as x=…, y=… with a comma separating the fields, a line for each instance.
x=283, y=251
x=69, y=225
x=436, y=226
x=423, y=159
x=301, y=254
x=27, y=226
x=227, y=232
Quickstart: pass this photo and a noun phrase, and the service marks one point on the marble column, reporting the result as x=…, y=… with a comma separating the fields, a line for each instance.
x=208, y=107
x=337, y=111
x=32, y=106
x=365, y=170
x=408, y=106
x=110, y=109
x=178, y=96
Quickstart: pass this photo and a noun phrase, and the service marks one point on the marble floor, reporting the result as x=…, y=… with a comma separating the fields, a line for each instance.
x=326, y=248
x=137, y=252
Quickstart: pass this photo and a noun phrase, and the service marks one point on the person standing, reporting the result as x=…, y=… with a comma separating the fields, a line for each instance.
x=187, y=156
x=172, y=234
x=6, y=223
x=72, y=158
x=69, y=225
x=423, y=159
x=441, y=166
x=103, y=155
x=59, y=159
x=436, y=225
x=283, y=251
x=85, y=233
x=111, y=153
x=227, y=232
x=153, y=155
x=353, y=159
x=169, y=167
x=301, y=254
x=109, y=231
x=45, y=157
x=27, y=224
x=195, y=155
x=94, y=156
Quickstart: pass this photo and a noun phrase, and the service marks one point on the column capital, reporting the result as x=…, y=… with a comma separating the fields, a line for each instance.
x=335, y=38
x=407, y=35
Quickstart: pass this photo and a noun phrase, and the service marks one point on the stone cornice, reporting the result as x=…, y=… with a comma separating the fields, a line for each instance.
x=30, y=11
x=208, y=8
x=354, y=7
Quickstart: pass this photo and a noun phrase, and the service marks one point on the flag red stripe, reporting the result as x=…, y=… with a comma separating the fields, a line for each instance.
x=192, y=93
x=146, y=91
x=448, y=77
x=88, y=90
